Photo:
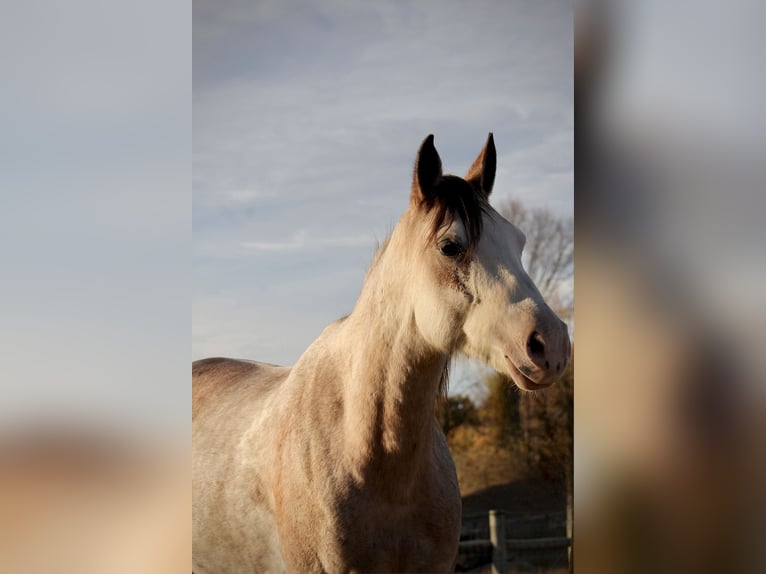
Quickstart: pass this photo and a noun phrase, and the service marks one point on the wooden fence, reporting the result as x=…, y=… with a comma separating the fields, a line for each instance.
x=505, y=541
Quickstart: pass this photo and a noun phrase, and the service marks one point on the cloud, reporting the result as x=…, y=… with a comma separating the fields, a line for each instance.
x=302, y=241
x=248, y=195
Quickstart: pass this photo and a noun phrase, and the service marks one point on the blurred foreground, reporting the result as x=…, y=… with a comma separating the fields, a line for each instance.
x=94, y=297
x=670, y=401
x=80, y=503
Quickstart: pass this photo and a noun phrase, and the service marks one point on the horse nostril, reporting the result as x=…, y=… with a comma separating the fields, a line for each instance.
x=558, y=367
x=536, y=349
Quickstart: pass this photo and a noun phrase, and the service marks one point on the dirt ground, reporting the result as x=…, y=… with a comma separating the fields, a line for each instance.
x=522, y=497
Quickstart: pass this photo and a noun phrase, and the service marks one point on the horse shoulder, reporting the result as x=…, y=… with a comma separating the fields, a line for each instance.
x=447, y=493
x=438, y=515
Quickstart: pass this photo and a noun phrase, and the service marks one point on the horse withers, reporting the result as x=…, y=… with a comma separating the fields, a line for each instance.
x=337, y=464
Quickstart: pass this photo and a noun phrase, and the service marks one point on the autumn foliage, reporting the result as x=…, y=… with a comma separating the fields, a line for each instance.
x=511, y=434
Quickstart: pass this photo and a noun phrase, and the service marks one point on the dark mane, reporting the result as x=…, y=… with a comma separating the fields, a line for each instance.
x=455, y=197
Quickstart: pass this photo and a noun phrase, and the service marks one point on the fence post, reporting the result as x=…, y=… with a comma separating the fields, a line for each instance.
x=570, y=517
x=497, y=536
x=570, y=532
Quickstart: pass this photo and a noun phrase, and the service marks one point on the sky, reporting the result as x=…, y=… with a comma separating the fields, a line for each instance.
x=306, y=122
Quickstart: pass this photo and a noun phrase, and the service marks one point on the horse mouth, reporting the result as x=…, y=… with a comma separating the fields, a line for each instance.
x=521, y=379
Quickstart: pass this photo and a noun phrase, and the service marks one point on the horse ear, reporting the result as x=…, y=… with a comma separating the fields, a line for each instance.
x=428, y=169
x=482, y=172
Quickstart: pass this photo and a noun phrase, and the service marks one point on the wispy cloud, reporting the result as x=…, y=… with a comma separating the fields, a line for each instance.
x=248, y=195
x=302, y=241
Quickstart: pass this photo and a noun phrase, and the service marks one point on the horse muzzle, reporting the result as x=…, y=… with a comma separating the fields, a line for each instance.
x=544, y=357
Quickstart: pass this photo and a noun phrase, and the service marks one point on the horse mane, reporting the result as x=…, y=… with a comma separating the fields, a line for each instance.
x=441, y=395
x=379, y=250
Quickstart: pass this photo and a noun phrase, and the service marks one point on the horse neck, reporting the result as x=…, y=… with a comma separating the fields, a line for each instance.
x=394, y=381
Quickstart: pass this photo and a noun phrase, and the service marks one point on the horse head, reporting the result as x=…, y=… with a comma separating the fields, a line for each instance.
x=470, y=292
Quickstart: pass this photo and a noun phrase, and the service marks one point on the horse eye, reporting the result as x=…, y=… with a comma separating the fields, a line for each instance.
x=450, y=249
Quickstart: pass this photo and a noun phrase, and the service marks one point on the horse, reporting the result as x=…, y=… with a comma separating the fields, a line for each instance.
x=337, y=464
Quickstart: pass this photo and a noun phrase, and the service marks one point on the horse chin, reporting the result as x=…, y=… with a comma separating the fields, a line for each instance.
x=520, y=379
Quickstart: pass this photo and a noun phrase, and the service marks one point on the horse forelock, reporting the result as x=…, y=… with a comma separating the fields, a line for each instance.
x=454, y=197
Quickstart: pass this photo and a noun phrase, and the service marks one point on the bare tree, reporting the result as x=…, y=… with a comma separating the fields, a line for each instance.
x=539, y=427
x=549, y=252
x=454, y=411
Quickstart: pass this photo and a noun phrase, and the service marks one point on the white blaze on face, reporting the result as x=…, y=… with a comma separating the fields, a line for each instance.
x=508, y=309
x=501, y=286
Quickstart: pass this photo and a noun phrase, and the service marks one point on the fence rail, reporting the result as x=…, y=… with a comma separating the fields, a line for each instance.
x=550, y=543
x=504, y=538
